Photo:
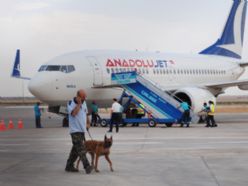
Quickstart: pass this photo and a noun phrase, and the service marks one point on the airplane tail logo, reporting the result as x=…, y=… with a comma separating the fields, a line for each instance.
x=16, y=72
x=230, y=43
x=16, y=68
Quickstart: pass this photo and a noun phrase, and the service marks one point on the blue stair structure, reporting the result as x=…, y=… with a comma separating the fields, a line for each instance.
x=160, y=104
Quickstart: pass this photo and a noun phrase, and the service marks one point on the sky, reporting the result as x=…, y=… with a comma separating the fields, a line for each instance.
x=43, y=29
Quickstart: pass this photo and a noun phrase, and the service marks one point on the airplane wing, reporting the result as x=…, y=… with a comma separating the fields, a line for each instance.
x=221, y=85
x=243, y=64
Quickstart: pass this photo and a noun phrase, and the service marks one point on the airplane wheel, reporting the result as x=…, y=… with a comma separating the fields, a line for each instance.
x=152, y=123
x=65, y=122
x=104, y=123
x=168, y=124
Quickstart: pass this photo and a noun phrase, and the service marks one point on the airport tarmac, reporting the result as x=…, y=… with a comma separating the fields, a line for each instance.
x=195, y=156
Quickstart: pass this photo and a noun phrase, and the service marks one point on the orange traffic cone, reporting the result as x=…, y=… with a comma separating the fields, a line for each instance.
x=2, y=125
x=20, y=124
x=11, y=125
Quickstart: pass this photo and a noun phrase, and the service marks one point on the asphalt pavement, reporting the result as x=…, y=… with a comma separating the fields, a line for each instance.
x=195, y=156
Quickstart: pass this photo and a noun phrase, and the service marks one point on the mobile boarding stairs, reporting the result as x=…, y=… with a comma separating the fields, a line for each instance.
x=160, y=106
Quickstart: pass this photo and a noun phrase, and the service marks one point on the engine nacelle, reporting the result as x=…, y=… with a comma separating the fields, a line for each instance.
x=195, y=97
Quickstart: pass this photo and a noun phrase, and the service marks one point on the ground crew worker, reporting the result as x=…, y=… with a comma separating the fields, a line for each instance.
x=37, y=112
x=116, y=115
x=140, y=113
x=186, y=114
x=94, y=114
x=78, y=124
x=203, y=113
x=210, y=117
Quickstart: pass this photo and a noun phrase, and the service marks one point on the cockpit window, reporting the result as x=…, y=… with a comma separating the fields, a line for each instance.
x=61, y=68
x=53, y=68
x=42, y=68
x=71, y=68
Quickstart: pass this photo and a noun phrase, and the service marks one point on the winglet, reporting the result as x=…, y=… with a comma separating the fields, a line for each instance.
x=230, y=43
x=16, y=73
x=16, y=68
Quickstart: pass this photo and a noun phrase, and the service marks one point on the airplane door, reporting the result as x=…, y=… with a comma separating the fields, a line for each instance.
x=97, y=71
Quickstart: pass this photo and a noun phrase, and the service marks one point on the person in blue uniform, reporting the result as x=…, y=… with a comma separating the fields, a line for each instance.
x=185, y=120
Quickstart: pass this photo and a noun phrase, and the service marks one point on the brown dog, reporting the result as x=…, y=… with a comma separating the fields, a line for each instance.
x=97, y=149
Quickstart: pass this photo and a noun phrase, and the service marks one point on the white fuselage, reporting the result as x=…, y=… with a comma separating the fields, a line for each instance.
x=94, y=68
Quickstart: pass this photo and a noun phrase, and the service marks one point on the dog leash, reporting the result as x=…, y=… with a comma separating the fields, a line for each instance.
x=88, y=130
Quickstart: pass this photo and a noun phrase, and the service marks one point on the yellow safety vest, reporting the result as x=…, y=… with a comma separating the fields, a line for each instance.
x=140, y=111
x=212, y=108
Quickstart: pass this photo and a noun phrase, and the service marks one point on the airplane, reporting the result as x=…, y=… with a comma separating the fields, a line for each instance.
x=194, y=78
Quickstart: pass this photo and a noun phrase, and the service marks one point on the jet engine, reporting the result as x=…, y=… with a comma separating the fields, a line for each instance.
x=194, y=96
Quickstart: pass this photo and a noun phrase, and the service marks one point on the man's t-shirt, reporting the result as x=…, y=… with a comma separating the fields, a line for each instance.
x=37, y=111
x=116, y=107
x=185, y=106
x=77, y=123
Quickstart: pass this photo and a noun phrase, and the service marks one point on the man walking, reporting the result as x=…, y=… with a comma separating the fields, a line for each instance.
x=78, y=124
x=116, y=115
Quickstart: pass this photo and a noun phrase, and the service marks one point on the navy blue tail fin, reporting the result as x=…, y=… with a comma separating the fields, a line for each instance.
x=230, y=43
x=16, y=72
x=16, y=67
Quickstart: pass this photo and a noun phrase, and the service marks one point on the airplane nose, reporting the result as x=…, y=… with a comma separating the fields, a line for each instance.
x=39, y=87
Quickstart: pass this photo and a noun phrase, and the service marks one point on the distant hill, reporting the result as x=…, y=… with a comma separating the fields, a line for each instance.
x=18, y=100
x=240, y=99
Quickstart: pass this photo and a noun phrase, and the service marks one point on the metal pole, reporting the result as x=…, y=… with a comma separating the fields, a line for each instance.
x=23, y=91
